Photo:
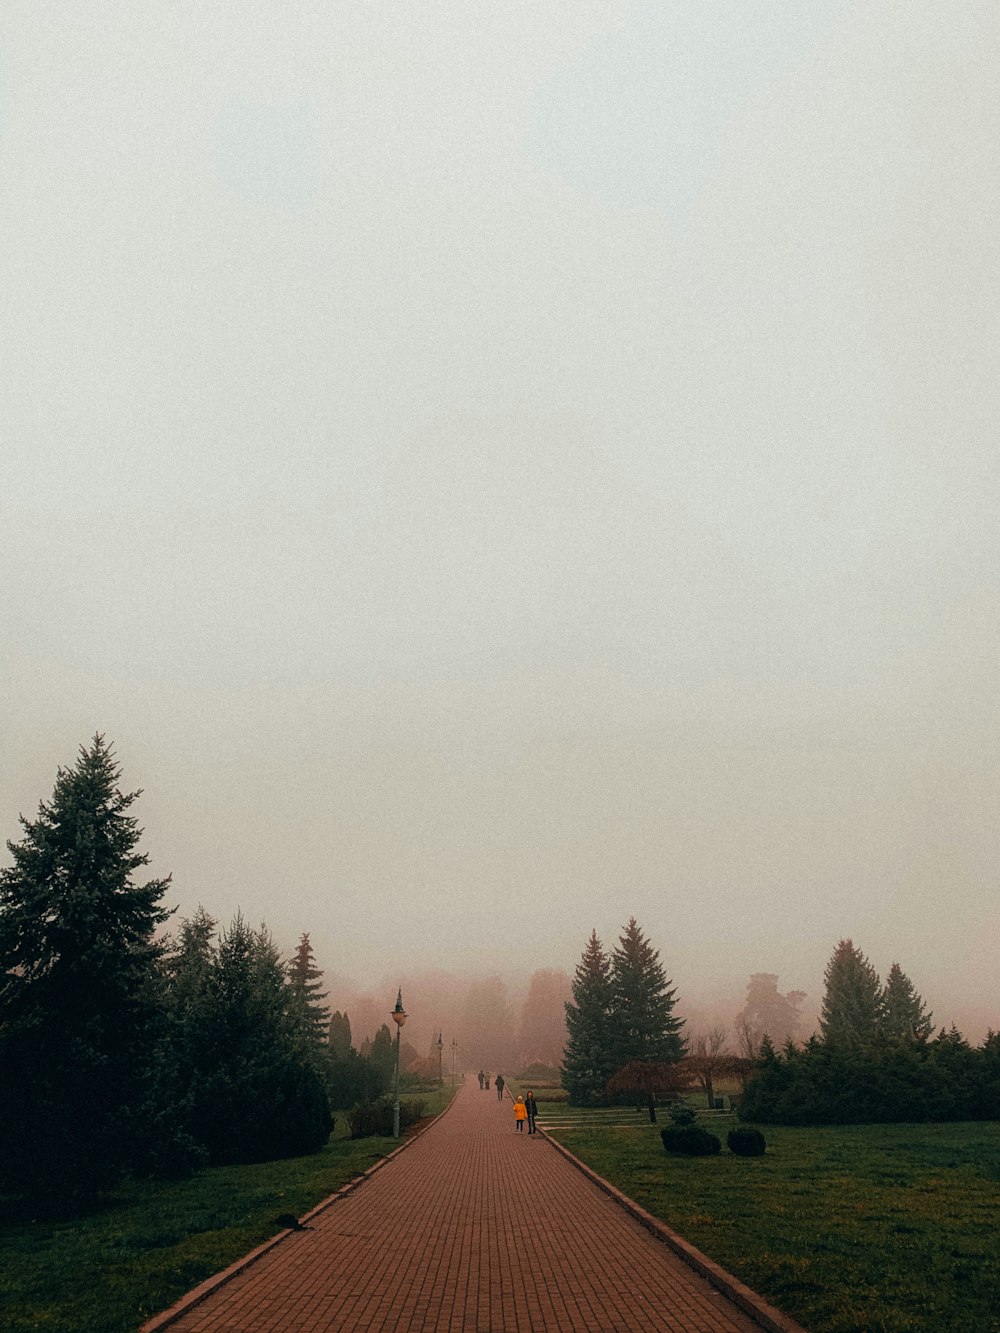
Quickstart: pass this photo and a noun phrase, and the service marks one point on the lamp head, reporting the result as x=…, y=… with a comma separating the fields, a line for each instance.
x=399, y=1013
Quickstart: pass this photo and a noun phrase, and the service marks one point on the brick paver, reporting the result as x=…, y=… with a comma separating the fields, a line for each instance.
x=475, y=1228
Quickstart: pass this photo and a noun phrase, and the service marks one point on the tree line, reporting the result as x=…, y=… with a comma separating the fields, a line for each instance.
x=875, y=1058
x=127, y=1050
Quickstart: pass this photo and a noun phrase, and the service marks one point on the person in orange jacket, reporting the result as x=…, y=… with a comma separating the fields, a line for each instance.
x=520, y=1114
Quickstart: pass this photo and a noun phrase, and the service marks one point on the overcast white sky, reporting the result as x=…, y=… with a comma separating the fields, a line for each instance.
x=493, y=469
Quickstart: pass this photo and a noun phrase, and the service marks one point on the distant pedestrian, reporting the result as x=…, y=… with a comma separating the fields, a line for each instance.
x=500, y=1087
x=520, y=1114
x=482, y=1080
x=487, y=1082
x=531, y=1106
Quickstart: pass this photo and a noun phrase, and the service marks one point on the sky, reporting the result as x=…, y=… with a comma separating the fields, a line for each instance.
x=496, y=469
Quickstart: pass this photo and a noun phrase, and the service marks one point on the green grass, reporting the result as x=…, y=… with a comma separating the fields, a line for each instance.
x=856, y=1229
x=109, y=1271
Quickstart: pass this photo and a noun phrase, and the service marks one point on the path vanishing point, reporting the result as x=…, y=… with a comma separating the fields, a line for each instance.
x=472, y=1227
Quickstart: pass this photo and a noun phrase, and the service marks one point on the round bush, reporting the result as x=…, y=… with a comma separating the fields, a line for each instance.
x=690, y=1140
x=746, y=1142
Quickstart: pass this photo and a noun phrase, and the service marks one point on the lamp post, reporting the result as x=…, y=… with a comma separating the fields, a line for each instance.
x=454, y=1048
x=399, y=1018
x=440, y=1046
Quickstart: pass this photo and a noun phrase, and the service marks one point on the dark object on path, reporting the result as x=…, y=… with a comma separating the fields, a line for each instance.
x=290, y=1223
x=691, y=1140
x=500, y=1087
x=746, y=1142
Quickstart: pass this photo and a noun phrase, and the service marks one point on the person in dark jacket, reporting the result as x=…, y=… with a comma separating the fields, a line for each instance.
x=500, y=1084
x=531, y=1106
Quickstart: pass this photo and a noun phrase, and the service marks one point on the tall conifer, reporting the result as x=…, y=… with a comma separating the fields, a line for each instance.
x=643, y=1020
x=852, y=1002
x=79, y=1002
x=588, y=1061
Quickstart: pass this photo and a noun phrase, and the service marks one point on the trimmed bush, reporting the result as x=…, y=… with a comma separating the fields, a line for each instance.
x=690, y=1140
x=746, y=1142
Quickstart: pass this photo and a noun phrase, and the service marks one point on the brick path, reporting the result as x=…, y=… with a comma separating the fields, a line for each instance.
x=474, y=1228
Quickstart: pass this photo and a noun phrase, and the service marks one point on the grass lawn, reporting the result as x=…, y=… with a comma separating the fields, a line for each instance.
x=856, y=1229
x=109, y=1271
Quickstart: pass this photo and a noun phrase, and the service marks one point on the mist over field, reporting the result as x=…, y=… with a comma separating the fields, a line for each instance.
x=495, y=471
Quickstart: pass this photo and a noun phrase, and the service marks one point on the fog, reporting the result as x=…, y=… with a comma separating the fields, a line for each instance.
x=496, y=470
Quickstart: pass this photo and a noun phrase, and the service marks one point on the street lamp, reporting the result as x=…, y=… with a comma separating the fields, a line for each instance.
x=454, y=1048
x=440, y=1046
x=399, y=1018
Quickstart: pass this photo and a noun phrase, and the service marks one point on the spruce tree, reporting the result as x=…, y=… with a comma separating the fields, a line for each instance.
x=310, y=1015
x=904, y=1016
x=852, y=1003
x=643, y=1022
x=588, y=1061
x=79, y=986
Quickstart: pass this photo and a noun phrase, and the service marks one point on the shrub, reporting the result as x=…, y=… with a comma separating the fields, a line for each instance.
x=746, y=1142
x=375, y=1118
x=690, y=1140
x=681, y=1114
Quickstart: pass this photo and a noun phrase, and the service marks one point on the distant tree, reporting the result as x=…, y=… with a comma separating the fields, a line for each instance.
x=644, y=1025
x=903, y=1016
x=588, y=1058
x=767, y=1010
x=542, y=1032
x=339, y=1034
x=488, y=1030
x=80, y=1006
x=383, y=1053
x=852, y=1003
x=310, y=1016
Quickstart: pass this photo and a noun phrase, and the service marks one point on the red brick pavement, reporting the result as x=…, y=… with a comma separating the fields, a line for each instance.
x=475, y=1228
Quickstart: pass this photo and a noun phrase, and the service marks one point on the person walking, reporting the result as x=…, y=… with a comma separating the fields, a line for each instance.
x=482, y=1080
x=531, y=1108
x=500, y=1087
x=520, y=1115
x=487, y=1081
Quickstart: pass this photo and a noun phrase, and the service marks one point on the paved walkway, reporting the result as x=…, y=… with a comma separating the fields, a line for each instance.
x=475, y=1228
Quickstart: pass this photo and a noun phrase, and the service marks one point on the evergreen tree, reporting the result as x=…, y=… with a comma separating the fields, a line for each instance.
x=383, y=1054
x=339, y=1035
x=309, y=1015
x=643, y=1021
x=79, y=999
x=852, y=1003
x=588, y=1061
x=904, y=1016
x=256, y=1095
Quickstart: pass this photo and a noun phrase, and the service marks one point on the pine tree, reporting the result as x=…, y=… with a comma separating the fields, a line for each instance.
x=588, y=1062
x=309, y=1015
x=904, y=1016
x=79, y=985
x=643, y=1021
x=852, y=1003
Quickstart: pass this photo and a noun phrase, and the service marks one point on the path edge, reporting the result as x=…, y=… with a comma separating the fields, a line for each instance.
x=212, y=1284
x=748, y=1300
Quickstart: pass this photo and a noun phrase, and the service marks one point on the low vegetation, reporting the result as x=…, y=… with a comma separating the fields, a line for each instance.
x=849, y=1229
